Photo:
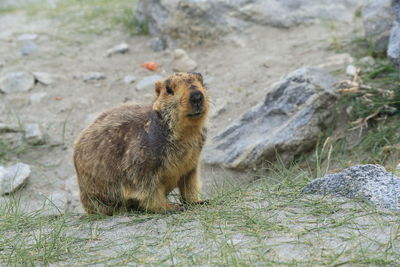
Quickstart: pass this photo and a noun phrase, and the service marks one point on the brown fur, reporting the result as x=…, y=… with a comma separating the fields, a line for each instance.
x=133, y=156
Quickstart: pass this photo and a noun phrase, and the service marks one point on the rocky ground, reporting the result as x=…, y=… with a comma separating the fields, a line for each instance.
x=237, y=71
x=63, y=62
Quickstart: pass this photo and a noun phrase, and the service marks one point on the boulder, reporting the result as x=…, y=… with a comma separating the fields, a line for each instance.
x=194, y=21
x=378, y=18
x=287, y=123
x=393, y=50
x=13, y=177
x=371, y=183
x=16, y=82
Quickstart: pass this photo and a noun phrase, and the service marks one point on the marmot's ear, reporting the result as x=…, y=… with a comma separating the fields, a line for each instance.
x=198, y=75
x=158, y=87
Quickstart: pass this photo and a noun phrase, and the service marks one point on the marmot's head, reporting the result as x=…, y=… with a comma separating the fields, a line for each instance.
x=182, y=98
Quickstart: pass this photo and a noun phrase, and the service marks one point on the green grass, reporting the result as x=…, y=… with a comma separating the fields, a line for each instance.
x=88, y=16
x=267, y=222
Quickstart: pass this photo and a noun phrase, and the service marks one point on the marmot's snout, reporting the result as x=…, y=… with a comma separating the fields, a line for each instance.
x=196, y=102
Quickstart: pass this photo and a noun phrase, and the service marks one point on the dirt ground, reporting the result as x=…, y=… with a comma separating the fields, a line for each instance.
x=238, y=72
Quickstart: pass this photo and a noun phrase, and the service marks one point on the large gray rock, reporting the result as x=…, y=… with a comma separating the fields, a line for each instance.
x=286, y=124
x=13, y=177
x=16, y=82
x=194, y=21
x=378, y=19
x=367, y=182
x=393, y=50
x=396, y=9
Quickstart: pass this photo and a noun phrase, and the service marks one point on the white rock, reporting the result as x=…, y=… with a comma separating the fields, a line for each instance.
x=37, y=97
x=368, y=60
x=28, y=47
x=351, y=70
x=93, y=76
x=182, y=62
x=33, y=134
x=16, y=82
x=121, y=49
x=44, y=77
x=147, y=83
x=129, y=79
x=13, y=177
x=27, y=37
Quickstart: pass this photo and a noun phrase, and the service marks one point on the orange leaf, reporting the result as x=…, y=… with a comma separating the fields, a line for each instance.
x=150, y=65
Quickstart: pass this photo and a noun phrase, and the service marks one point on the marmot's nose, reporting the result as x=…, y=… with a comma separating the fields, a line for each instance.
x=196, y=97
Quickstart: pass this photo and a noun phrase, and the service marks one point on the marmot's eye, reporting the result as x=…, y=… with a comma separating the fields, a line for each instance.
x=169, y=90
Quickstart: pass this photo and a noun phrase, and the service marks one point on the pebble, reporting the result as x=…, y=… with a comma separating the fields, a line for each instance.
x=147, y=83
x=182, y=62
x=16, y=82
x=43, y=77
x=351, y=70
x=28, y=47
x=368, y=60
x=118, y=49
x=27, y=37
x=34, y=135
x=13, y=177
x=37, y=97
x=158, y=44
x=128, y=79
x=94, y=76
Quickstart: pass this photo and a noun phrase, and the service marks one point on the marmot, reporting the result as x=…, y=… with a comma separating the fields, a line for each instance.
x=132, y=156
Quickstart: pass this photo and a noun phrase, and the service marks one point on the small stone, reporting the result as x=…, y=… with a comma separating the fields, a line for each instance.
x=368, y=60
x=351, y=70
x=157, y=44
x=28, y=47
x=94, y=76
x=16, y=82
x=27, y=37
x=33, y=134
x=43, y=77
x=13, y=177
x=118, y=49
x=128, y=79
x=37, y=97
x=182, y=62
x=147, y=83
